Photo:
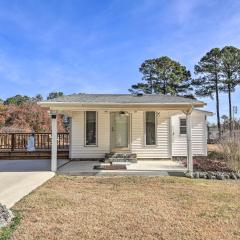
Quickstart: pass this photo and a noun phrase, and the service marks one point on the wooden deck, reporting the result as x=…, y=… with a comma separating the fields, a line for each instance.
x=38, y=154
x=14, y=146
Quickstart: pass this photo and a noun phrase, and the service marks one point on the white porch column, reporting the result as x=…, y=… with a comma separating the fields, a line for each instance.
x=54, y=142
x=189, y=142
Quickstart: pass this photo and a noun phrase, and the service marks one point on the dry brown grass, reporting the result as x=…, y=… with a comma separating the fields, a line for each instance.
x=131, y=208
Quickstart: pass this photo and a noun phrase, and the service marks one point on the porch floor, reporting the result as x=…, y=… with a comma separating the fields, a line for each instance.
x=143, y=167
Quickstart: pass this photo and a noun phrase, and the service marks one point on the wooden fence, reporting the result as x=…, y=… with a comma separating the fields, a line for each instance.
x=43, y=141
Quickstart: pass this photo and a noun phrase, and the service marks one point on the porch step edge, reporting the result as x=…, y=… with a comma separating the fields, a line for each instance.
x=109, y=160
x=120, y=155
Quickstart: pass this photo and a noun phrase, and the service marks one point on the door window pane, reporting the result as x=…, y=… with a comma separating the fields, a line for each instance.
x=91, y=126
x=121, y=130
x=150, y=128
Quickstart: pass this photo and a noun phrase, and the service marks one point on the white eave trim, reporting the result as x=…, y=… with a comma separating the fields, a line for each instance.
x=204, y=111
x=48, y=104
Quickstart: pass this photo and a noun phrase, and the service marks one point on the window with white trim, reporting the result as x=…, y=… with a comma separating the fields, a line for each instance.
x=183, y=126
x=150, y=122
x=91, y=128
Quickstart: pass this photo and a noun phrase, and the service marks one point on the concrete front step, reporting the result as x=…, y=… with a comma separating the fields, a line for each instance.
x=120, y=157
x=112, y=160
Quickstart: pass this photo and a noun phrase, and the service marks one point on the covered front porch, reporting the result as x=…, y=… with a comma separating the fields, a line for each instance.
x=132, y=139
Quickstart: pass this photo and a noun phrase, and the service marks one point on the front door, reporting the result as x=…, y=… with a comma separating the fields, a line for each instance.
x=119, y=131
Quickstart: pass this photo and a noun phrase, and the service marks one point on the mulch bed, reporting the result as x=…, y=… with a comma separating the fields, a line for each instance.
x=209, y=164
x=110, y=167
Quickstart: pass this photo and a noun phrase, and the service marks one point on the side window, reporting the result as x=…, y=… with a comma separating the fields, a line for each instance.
x=183, y=126
x=150, y=128
x=91, y=128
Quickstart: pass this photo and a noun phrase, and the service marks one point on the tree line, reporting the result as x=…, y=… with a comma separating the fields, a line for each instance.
x=217, y=71
x=22, y=114
x=20, y=99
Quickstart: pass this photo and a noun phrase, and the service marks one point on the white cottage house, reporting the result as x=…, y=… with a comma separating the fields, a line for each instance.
x=148, y=126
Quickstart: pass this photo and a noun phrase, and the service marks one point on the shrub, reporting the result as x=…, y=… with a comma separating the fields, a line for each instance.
x=27, y=117
x=230, y=149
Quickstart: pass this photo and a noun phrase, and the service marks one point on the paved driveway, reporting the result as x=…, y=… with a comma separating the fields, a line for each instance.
x=19, y=177
x=15, y=185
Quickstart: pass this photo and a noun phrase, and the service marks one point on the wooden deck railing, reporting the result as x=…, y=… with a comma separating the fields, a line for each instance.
x=18, y=141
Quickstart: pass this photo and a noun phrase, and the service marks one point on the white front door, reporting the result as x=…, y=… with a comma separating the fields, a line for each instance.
x=120, y=131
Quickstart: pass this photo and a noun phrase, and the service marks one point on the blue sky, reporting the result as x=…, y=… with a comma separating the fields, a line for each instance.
x=97, y=46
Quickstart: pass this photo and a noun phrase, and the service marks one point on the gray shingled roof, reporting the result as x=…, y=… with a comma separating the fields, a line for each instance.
x=121, y=98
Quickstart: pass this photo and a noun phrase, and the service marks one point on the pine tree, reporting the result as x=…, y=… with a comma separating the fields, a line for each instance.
x=163, y=75
x=230, y=75
x=208, y=83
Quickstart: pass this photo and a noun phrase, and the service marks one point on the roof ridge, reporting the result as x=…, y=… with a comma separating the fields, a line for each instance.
x=121, y=94
x=101, y=98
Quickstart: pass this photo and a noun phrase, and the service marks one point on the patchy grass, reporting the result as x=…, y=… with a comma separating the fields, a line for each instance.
x=130, y=208
x=6, y=232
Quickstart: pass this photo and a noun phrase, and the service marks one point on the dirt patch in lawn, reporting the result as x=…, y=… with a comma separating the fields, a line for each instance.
x=214, y=147
x=130, y=208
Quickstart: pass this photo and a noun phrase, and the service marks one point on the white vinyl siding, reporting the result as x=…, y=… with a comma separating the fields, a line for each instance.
x=78, y=148
x=167, y=128
x=161, y=149
x=199, y=135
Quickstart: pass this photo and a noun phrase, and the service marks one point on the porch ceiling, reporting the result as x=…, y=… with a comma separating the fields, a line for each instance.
x=156, y=107
x=169, y=111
